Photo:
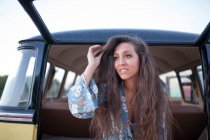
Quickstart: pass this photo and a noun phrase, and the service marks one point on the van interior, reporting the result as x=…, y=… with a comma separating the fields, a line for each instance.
x=179, y=67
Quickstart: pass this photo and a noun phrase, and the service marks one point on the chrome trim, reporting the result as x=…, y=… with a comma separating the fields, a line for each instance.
x=19, y=117
x=15, y=119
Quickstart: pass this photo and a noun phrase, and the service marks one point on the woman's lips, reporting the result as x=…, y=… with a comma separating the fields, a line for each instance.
x=124, y=70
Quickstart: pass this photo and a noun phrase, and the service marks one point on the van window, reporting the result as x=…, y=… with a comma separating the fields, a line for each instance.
x=171, y=81
x=46, y=73
x=55, y=86
x=200, y=75
x=188, y=86
x=18, y=94
x=3, y=80
x=70, y=79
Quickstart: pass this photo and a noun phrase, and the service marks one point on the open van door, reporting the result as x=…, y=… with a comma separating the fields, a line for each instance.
x=204, y=41
x=19, y=103
x=21, y=99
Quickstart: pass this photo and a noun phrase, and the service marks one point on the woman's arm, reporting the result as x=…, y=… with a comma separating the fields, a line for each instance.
x=82, y=96
x=94, y=58
x=83, y=99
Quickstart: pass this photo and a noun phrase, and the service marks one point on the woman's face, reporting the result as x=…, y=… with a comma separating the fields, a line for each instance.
x=126, y=61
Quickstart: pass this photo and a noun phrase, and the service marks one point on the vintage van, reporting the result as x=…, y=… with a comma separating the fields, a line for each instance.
x=34, y=102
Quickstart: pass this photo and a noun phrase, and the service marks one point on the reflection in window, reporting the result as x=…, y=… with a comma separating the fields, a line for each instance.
x=171, y=81
x=18, y=89
x=55, y=86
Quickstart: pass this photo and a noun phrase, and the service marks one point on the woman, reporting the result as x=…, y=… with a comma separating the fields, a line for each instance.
x=127, y=99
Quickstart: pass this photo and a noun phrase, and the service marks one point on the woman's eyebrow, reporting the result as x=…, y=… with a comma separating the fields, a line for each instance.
x=129, y=51
x=126, y=51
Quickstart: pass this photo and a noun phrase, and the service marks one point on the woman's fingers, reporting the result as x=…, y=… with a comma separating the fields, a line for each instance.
x=98, y=52
x=94, y=55
x=99, y=56
x=94, y=49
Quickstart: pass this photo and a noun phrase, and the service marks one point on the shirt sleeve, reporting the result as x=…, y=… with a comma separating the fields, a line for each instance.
x=83, y=99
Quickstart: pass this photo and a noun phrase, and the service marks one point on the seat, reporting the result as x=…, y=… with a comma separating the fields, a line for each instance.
x=57, y=120
x=189, y=122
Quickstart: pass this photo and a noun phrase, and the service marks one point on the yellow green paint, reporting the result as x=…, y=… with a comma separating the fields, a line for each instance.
x=15, y=131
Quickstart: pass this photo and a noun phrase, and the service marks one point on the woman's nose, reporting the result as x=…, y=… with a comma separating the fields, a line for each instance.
x=121, y=61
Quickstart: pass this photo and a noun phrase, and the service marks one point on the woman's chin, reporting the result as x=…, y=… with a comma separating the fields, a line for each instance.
x=123, y=77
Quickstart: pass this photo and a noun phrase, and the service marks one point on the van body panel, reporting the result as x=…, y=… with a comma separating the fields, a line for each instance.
x=14, y=131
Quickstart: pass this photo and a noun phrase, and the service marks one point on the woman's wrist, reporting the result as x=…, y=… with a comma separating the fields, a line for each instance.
x=88, y=73
x=91, y=67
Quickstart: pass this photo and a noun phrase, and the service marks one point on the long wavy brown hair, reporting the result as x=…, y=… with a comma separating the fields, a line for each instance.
x=151, y=103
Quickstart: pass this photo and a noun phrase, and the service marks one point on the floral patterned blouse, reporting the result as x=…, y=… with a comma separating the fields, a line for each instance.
x=83, y=100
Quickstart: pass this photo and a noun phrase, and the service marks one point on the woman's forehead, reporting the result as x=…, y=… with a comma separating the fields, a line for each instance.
x=124, y=47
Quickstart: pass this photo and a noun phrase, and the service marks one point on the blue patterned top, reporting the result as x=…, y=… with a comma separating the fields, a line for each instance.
x=83, y=100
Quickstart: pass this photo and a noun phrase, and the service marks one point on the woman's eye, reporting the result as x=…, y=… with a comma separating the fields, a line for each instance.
x=128, y=55
x=116, y=58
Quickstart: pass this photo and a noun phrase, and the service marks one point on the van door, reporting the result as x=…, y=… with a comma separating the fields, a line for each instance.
x=205, y=58
x=20, y=101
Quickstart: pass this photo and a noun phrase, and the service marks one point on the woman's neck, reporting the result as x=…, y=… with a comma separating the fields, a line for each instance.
x=130, y=86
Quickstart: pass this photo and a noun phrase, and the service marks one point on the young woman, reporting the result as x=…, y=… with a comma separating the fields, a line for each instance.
x=126, y=98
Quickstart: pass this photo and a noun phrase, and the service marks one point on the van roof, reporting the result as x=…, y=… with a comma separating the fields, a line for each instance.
x=89, y=36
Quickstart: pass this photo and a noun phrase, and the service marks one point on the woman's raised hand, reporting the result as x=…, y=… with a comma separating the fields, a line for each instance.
x=94, y=56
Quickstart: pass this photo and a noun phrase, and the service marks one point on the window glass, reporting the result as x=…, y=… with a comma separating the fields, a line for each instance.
x=46, y=73
x=16, y=93
x=28, y=81
x=200, y=74
x=55, y=86
x=188, y=86
x=3, y=80
x=69, y=81
x=171, y=81
x=77, y=78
